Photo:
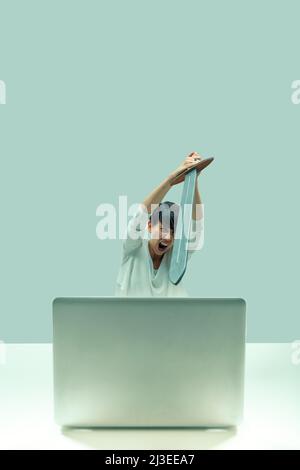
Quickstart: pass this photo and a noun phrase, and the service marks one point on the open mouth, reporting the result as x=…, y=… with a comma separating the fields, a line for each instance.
x=162, y=246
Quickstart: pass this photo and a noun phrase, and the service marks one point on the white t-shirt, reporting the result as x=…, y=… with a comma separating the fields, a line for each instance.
x=137, y=277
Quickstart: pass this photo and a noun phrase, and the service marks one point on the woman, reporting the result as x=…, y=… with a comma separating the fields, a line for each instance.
x=145, y=264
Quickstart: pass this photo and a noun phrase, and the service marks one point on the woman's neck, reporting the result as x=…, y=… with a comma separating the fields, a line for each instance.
x=156, y=259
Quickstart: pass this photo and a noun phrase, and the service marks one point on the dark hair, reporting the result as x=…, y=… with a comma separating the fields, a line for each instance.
x=167, y=213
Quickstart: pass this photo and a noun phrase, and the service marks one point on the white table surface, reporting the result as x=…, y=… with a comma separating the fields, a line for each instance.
x=271, y=421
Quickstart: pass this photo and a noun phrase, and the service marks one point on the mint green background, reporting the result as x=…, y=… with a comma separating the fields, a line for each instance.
x=105, y=98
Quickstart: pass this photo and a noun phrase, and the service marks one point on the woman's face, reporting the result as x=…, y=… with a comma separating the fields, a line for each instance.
x=162, y=238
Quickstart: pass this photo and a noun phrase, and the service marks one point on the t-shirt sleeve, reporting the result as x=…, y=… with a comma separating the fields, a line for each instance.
x=196, y=239
x=135, y=231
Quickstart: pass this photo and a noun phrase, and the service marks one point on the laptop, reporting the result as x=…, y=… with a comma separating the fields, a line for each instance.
x=148, y=362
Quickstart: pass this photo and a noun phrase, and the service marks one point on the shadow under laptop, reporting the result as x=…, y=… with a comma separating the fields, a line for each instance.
x=145, y=438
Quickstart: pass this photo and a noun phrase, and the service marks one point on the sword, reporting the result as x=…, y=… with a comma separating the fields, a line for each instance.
x=179, y=254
